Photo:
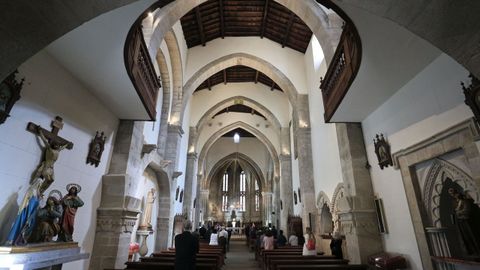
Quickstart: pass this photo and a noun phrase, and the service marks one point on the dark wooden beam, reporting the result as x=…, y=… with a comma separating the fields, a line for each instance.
x=289, y=27
x=273, y=86
x=256, y=76
x=209, y=84
x=222, y=20
x=264, y=20
x=225, y=76
x=200, y=25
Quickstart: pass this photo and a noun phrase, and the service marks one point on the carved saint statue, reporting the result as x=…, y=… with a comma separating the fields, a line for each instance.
x=147, y=217
x=70, y=203
x=45, y=170
x=465, y=222
x=48, y=221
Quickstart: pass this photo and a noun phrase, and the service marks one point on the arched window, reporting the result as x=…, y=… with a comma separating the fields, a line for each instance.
x=242, y=190
x=225, y=192
x=257, y=197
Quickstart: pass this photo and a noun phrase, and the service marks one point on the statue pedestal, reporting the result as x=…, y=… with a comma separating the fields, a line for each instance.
x=43, y=255
x=143, y=247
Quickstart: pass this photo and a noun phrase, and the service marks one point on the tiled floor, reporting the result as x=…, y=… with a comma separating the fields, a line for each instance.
x=239, y=258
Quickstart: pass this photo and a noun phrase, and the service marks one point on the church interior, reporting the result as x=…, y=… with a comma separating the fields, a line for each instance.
x=358, y=118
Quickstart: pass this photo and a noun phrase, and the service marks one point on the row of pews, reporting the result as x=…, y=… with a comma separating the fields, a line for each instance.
x=290, y=258
x=208, y=258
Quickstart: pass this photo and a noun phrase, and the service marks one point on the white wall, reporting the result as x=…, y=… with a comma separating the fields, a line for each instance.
x=326, y=158
x=288, y=61
x=431, y=102
x=49, y=90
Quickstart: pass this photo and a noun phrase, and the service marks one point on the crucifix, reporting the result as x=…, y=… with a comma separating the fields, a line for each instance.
x=53, y=145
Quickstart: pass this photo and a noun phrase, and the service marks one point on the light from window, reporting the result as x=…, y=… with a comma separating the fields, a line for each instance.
x=257, y=197
x=242, y=190
x=225, y=192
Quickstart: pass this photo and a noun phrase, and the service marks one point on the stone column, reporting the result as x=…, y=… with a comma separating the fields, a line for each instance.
x=188, y=187
x=267, y=206
x=276, y=202
x=286, y=190
x=305, y=161
x=356, y=210
x=203, y=209
x=118, y=210
x=172, y=147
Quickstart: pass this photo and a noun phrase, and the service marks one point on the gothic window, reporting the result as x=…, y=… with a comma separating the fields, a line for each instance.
x=242, y=190
x=225, y=192
x=257, y=197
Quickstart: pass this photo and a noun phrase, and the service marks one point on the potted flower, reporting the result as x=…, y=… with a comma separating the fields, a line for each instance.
x=132, y=249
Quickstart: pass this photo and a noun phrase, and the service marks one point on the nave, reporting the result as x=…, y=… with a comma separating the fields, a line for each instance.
x=239, y=257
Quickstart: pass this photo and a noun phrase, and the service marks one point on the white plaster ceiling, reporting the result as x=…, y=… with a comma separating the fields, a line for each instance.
x=391, y=57
x=93, y=53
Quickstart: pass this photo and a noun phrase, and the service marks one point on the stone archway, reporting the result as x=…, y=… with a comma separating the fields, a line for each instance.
x=165, y=75
x=206, y=147
x=338, y=194
x=324, y=222
x=177, y=77
x=440, y=171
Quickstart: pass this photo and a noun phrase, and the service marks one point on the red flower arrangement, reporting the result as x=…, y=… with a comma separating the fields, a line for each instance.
x=132, y=249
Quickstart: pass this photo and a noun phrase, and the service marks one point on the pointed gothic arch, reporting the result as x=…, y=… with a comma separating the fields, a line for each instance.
x=208, y=144
x=248, y=102
x=338, y=194
x=177, y=77
x=439, y=172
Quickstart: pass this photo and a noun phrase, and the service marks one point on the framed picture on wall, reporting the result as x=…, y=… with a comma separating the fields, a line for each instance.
x=381, y=220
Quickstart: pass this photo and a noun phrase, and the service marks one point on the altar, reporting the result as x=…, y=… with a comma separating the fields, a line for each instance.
x=44, y=255
x=236, y=230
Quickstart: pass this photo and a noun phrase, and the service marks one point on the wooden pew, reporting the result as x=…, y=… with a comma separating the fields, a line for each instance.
x=295, y=257
x=171, y=259
x=164, y=266
x=273, y=264
x=323, y=267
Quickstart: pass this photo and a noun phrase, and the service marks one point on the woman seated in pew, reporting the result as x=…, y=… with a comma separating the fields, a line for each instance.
x=293, y=240
x=213, y=238
x=268, y=240
x=309, y=248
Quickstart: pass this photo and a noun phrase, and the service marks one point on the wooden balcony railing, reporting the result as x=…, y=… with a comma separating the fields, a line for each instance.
x=342, y=70
x=141, y=71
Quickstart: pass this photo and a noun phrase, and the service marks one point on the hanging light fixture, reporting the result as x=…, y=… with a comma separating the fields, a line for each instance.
x=236, y=138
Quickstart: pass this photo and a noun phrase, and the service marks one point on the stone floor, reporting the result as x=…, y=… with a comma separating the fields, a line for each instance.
x=239, y=257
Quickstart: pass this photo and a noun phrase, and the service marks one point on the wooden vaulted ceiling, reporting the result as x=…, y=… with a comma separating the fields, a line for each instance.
x=242, y=132
x=241, y=109
x=228, y=18
x=238, y=74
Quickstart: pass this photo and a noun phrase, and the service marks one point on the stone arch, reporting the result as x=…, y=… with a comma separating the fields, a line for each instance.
x=254, y=131
x=166, y=101
x=324, y=214
x=248, y=102
x=439, y=172
x=338, y=194
x=163, y=201
x=177, y=77
x=243, y=159
x=243, y=59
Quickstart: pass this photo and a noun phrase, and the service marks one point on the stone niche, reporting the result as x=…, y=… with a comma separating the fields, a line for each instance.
x=449, y=159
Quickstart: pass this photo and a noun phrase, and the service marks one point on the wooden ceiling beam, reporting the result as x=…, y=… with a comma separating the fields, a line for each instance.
x=200, y=25
x=273, y=86
x=256, y=76
x=222, y=19
x=209, y=84
x=289, y=27
x=264, y=20
x=225, y=76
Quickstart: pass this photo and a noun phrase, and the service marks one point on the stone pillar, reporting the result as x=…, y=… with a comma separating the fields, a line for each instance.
x=172, y=147
x=118, y=210
x=267, y=206
x=286, y=190
x=203, y=206
x=276, y=202
x=116, y=217
x=356, y=210
x=305, y=162
x=188, y=187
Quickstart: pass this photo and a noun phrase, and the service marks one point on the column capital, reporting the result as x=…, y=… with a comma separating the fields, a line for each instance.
x=192, y=155
x=172, y=128
x=267, y=193
x=285, y=157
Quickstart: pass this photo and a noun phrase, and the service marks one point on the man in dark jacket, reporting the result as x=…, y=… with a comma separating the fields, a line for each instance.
x=186, y=249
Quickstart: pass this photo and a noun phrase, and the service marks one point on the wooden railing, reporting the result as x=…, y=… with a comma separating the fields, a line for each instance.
x=342, y=70
x=141, y=71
